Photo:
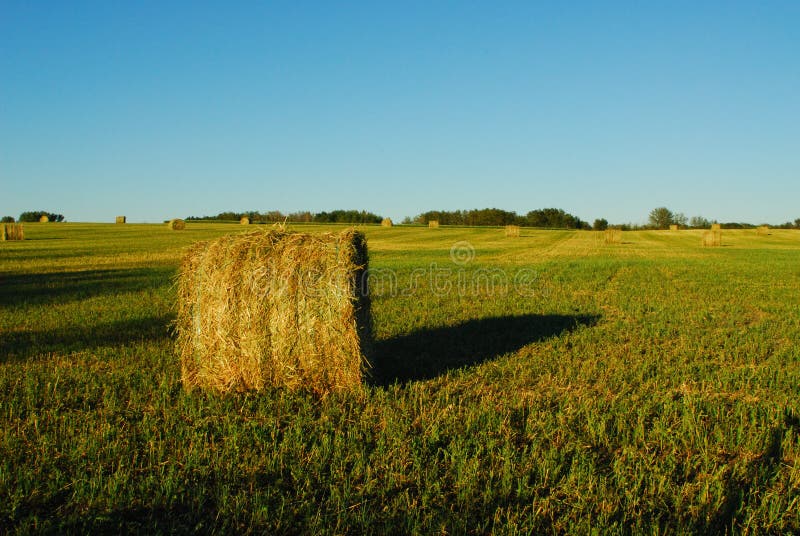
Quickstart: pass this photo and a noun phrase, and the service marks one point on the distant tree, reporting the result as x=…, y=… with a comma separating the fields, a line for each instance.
x=36, y=215
x=661, y=218
x=797, y=223
x=680, y=219
x=600, y=224
x=7, y=219
x=407, y=221
x=699, y=222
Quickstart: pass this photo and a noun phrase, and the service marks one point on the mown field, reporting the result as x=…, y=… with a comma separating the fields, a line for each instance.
x=544, y=384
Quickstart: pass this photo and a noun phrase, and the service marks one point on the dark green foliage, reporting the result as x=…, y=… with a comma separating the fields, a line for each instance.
x=36, y=215
x=7, y=219
x=661, y=218
x=276, y=216
x=552, y=218
x=347, y=216
x=600, y=224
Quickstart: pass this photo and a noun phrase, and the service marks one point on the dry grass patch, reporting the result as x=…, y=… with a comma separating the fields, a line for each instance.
x=274, y=308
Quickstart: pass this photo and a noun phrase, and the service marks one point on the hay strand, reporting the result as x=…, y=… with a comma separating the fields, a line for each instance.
x=274, y=308
x=433, y=224
x=121, y=219
x=177, y=224
x=512, y=231
x=387, y=222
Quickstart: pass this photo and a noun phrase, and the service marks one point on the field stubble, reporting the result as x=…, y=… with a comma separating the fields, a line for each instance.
x=646, y=386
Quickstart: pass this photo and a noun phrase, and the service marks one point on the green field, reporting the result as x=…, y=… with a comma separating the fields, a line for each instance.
x=544, y=384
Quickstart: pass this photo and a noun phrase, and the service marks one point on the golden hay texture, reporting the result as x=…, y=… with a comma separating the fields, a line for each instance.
x=274, y=308
x=716, y=227
x=762, y=230
x=176, y=224
x=244, y=220
x=712, y=238
x=121, y=219
x=387, y=222
x=12, y=231
x=512, y=230
x=612, y=236
x=673, y=227
x=433, y=224
x=44, y=219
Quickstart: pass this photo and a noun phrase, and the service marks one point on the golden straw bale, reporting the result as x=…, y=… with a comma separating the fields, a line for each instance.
x=177, y=224
x=244, y=220
x=673, y=227
x=716, y=226
x=44, y=218
x=612, y=236
x=121, y=219
x=712, y=238
x=274, y=308
x=433, y=224
x=11, y=231
x=387, y=222
x=762, y=230
x=512, y=230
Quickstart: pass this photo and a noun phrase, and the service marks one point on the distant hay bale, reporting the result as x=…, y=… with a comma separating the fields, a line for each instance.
x=712, y=238
x=762, y=230
x=12, y=231
x=44, y=218
x=121, y=219
x=716, y=227
x=387, y=222
x=512, y=230
x=177, y=224
x=244, y=220
x=274, y=308
x=673, y=227
x=612, y=236
x=433, y=224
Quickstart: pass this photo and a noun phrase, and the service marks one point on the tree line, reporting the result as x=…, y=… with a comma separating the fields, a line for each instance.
x=547, y=217
x=276, y=216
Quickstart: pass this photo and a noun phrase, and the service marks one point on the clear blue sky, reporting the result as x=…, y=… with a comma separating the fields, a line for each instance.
x=160, y=109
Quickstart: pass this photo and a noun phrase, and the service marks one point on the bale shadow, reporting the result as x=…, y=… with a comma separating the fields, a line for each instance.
x=428, y=353
x=60, y=287
x=17, y=346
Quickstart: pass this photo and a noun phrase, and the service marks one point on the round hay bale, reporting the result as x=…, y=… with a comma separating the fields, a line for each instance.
x=387, y=222
x=274, y=308
x=43, y=218
x=177, y=224
x=244, y=220
x=433, y=224
x=121, y=219
x=512, y=231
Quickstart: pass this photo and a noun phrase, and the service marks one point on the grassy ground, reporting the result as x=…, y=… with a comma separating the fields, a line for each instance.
x=542, y=384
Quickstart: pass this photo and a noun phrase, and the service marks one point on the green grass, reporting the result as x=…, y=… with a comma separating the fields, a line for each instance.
x=651, y=386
